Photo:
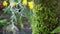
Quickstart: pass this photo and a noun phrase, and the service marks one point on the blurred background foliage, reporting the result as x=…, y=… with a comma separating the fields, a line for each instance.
x=46, y=19
x=42, y=16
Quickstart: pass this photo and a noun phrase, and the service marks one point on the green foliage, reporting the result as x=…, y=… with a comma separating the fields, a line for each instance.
x=45, y=17
x=56, y=30
x=18, y=11
x=42, y=18
x=3, y=22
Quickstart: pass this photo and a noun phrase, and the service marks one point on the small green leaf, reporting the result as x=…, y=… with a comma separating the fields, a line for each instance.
x=56, y=30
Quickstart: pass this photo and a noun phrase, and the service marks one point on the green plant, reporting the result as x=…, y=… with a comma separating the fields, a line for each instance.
x=3, y=22
x=17, y=10
x=45, y=19
x=42, y=17
x=56, y=30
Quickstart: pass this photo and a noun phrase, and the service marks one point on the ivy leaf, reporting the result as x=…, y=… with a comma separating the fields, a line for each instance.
x=56, y=30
